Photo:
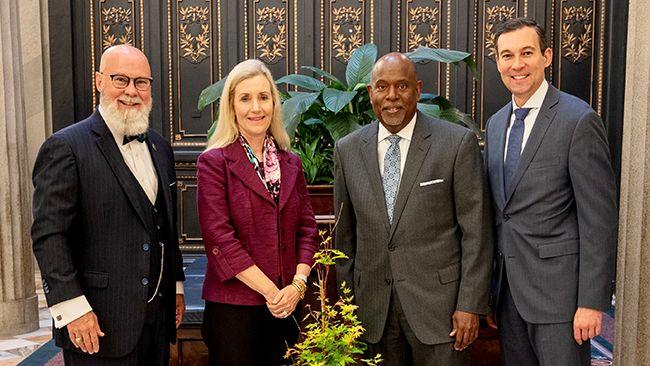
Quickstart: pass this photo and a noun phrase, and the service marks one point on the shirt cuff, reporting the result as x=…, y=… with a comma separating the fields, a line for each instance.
x=180, y=289
x=69, y=310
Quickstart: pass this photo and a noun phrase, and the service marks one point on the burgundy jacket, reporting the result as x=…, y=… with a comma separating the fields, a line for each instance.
x=242, y=225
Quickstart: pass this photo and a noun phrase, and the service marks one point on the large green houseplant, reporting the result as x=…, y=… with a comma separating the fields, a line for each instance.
x=322, y=109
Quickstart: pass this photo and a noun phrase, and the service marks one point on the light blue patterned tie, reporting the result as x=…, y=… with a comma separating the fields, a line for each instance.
x=391, y=174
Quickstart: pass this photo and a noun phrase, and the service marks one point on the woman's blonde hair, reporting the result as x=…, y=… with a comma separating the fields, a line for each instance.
x=226, y=131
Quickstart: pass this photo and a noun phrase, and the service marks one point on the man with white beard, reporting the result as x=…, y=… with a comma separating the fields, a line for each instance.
x=104, y=231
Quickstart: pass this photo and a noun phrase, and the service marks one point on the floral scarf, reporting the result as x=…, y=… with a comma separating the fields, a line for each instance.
x=269, y=172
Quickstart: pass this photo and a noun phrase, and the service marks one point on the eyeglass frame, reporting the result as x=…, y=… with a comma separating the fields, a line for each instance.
x=112, y=76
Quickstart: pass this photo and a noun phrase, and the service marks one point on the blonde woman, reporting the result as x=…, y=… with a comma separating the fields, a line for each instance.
x=257, y=223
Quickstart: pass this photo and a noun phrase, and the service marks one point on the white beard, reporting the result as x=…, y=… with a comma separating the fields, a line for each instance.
x=129, y=122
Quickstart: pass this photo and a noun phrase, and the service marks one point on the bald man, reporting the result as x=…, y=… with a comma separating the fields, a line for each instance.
x=104, y=231
x=414, y=221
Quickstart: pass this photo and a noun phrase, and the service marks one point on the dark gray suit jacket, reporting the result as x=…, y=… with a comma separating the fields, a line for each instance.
x=90, y=227
x=557, y=223
x=438, y=252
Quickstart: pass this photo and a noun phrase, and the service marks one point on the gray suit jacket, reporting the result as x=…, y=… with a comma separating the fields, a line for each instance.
x=438, y=252
x=557, y=223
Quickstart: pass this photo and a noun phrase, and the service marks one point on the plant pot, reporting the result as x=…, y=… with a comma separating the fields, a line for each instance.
x=322, y=199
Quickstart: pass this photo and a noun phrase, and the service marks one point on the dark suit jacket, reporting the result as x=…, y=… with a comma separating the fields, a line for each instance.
x=90, y=226
x=557, y=223
x=437, y=254
x=242, y=225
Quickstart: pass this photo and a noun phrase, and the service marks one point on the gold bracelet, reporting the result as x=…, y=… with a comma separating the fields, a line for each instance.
x=300, y=286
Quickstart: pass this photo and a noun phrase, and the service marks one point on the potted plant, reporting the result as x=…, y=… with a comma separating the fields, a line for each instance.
x=323, y=111
x=332, y=334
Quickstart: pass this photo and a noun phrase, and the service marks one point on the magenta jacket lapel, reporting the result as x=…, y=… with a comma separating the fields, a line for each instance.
x=241, y=167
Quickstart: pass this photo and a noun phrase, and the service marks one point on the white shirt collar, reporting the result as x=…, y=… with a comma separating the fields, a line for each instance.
x=405, y=133
x=536, y=100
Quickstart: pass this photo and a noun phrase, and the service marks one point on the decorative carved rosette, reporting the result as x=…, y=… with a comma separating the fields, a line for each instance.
x=577, y=33
x=495, y=15
x=117, y=26
x=423, y=17
x=271, y=34
x=194, y=33
x=347, y=33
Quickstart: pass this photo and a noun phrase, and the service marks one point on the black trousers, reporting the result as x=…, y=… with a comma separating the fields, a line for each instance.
x=399, y=346
x=245, y=335
x=524, y=343
x=152, y=348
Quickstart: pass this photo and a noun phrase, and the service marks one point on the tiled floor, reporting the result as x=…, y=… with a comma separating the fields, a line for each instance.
x=17, y=348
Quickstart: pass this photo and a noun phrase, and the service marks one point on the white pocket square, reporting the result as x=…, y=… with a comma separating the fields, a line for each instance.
x=428, y=183
x=172, y=184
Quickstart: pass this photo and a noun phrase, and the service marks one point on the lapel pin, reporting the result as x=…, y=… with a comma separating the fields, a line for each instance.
x=153, y=146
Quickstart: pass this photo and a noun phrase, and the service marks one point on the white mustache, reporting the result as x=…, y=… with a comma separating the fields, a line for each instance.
x=132, y=100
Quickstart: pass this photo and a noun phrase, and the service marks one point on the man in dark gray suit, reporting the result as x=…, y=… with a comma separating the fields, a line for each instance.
x=414, y=221
x=104, y=231
x=554, y=196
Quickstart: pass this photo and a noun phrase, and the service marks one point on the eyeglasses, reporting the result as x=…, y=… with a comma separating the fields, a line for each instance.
x=122, y=82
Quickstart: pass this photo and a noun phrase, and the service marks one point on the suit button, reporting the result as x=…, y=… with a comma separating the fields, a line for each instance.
x=158, y=227
x=506, y=217
x=144, y=281
x=155, y=210
x=145, y=247
x=389, y=281
x=215, y=251
x=161, y=244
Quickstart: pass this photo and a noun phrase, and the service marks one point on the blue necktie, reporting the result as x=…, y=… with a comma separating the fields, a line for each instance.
x=514, y=147
x=391, y=174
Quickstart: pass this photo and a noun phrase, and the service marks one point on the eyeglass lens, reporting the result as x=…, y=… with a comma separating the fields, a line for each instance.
x=121, y=81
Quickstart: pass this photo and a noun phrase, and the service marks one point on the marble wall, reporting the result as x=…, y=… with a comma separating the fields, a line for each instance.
x=24, y=124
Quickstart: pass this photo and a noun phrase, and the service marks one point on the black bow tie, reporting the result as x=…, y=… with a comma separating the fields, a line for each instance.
x=141, y=138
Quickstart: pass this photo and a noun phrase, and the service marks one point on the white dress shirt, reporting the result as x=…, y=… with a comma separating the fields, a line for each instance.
x=534, y=103
x=383, y=144
x=138, y=158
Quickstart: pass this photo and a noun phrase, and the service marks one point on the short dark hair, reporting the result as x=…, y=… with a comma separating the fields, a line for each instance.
x=514, y=24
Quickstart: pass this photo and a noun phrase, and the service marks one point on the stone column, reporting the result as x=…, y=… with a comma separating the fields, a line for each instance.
x=632, y=345
x=18, y=301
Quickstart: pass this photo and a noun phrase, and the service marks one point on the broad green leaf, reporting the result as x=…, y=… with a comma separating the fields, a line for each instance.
x=313, y=121
x=212, y=128
x=360, y=86
x=442, y=55
x=323, y=73
x=341, y=125
x=303, y=81
x=211, y=94
x=442, y=109
x=455, y=115
x=360, y=65
x=430, y=110
x=294, y=107
x=427, y=97
x=335, y=99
